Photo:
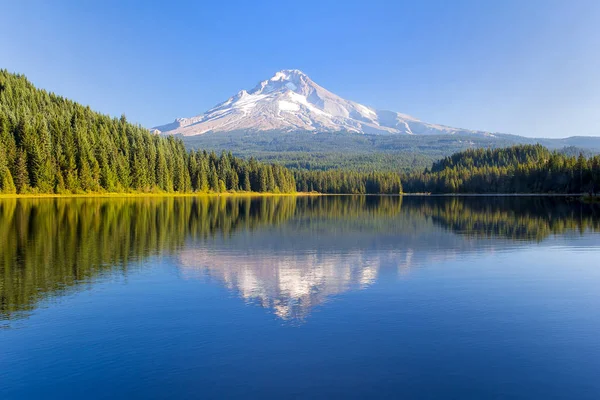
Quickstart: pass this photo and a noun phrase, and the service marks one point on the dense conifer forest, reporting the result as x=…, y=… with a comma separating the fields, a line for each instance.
x=348, y=181
x=517, y=169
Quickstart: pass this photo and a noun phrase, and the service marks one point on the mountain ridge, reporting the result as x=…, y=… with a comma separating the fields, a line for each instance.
x=290, y=101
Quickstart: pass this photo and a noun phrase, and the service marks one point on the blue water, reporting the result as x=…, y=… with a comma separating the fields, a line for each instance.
x=319, y=299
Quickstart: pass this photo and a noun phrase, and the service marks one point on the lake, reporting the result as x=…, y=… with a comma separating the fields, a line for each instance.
x=300, y=297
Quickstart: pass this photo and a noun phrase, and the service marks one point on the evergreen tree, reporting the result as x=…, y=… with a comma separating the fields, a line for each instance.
x=247, y=186
x=20, y=174
x=7, y=185
x=213, y=179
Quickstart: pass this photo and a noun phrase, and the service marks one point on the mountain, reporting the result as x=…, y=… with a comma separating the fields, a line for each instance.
x=290, y=101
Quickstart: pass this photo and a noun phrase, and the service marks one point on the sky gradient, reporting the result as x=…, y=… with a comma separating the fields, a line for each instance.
x=523, y=67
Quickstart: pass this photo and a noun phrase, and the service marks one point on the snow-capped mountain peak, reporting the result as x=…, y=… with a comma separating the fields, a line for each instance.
x=288, y=75
x=291, y=101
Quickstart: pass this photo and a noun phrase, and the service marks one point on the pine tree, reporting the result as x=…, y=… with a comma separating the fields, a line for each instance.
x=247, y=186
x=20, y=174
x=222, y=187
x=7, y=185
x=262, y=179
x=213, y=179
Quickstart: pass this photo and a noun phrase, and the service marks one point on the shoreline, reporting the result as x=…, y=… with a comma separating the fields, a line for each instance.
x=497, y=194
x=262, y=194
x=139, y=195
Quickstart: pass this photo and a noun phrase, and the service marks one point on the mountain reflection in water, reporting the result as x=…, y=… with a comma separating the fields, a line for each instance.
x=287, y=254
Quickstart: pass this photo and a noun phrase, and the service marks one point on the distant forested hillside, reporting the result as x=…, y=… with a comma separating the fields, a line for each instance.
x=49, y=144
x=359, y=152
x=343, y=150
x=517, y=169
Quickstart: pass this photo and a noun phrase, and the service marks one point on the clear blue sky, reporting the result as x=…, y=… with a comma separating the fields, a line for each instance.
x=529, y=67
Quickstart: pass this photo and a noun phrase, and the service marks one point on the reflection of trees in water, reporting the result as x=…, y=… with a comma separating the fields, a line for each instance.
x=49, y=246
x=518, y=218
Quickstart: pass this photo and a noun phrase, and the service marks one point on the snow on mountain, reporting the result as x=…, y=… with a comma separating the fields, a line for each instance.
x=290, y=101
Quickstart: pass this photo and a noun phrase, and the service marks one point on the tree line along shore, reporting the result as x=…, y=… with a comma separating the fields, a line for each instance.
x=50, y=145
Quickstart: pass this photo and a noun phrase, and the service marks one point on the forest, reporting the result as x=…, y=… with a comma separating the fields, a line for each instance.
x=516, y=169
x=348, y=182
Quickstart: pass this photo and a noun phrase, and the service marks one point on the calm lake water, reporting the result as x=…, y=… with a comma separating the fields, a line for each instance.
x=321, y=297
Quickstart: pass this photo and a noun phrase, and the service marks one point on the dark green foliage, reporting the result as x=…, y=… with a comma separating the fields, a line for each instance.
x=478, y=158
x=352, y=182
x=21, y=177
x=52, y=145
x=6, y=180
x=517, y=169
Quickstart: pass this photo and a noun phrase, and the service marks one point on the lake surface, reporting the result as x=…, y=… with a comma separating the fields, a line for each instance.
x=284, y=297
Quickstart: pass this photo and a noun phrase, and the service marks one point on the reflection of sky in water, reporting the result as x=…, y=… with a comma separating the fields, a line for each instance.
x=291, y=271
